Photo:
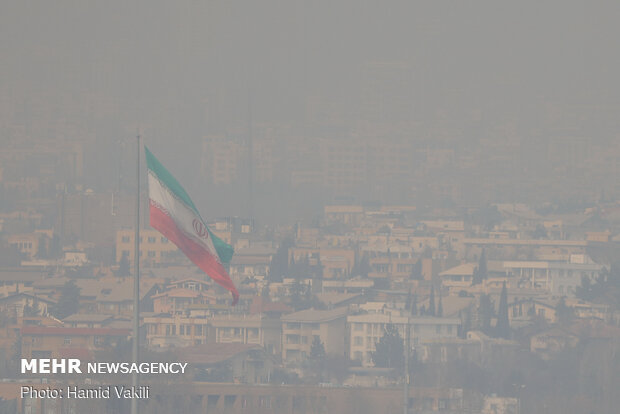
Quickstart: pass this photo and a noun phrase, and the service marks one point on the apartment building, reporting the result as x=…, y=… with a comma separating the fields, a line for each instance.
x=336, y=263
x=63, y=342
x=557, y=278
x=165, y=330
x=153, y=246
x=256, y=329
x=365, y=330
x=28, y=243
x=393, y=261
x=180, y=300
x=300, y=328
x=460, y=276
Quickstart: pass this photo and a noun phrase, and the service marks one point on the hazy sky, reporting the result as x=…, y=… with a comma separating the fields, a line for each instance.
x=180, y=70
x=174, y=60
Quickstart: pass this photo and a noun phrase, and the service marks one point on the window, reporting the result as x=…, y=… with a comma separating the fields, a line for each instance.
x=198, y=330
x=163, y=240
x=292, y=339
x=304, y=339
x=125, y=239
x=359, y=327
x=67, y=341
x=437, y=329
x=358, y=341
x=151, y=239
x=182, y=330
x=264, y=401
x=403, y=267
x=151, y=253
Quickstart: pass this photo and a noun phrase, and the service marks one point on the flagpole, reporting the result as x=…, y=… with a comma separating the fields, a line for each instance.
x=136, y=284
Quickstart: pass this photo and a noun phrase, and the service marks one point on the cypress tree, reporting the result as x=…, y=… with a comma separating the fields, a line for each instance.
x=481, y=272
x=503, y=325
x=431, y=302
x=485, y=313
x=414, y=305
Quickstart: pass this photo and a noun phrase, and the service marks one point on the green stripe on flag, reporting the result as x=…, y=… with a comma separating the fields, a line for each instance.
x=167, y=179
x=224, y=250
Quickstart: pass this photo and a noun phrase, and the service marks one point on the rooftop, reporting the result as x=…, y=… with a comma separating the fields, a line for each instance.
x=313, y=315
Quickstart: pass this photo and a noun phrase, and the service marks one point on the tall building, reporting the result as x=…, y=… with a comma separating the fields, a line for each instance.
x=153, y=246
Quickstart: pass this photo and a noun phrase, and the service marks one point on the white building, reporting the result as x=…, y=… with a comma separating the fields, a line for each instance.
x=365, y=330
x=557, y=278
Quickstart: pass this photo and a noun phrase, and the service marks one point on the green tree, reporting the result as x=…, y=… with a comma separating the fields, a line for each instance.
x=466, y=324
x=416, y=271
x=300, y=269
x=55, y=247
x=362, y=267
x=563, y=313
x=317, y=360
x=389, y=351
x=485, y=313
x=409, y=301
x=10, y=256
x=337, y=367
x=480, y=273
x=488, y=217
x=42, y=252
x=68, y=303
x=502, y=328
x=317, y=349
x=301, y=297
x=605, y=288
x=431, y=302
x=123, y=266
x=278, y=268
x=31, y=310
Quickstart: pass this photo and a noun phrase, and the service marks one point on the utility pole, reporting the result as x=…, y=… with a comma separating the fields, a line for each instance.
x=406, y=377
x=136, y=283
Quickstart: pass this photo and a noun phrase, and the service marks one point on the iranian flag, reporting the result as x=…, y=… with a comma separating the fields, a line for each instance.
x=174, y=215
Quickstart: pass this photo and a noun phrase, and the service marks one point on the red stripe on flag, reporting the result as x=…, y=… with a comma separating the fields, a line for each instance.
x=195, y=252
